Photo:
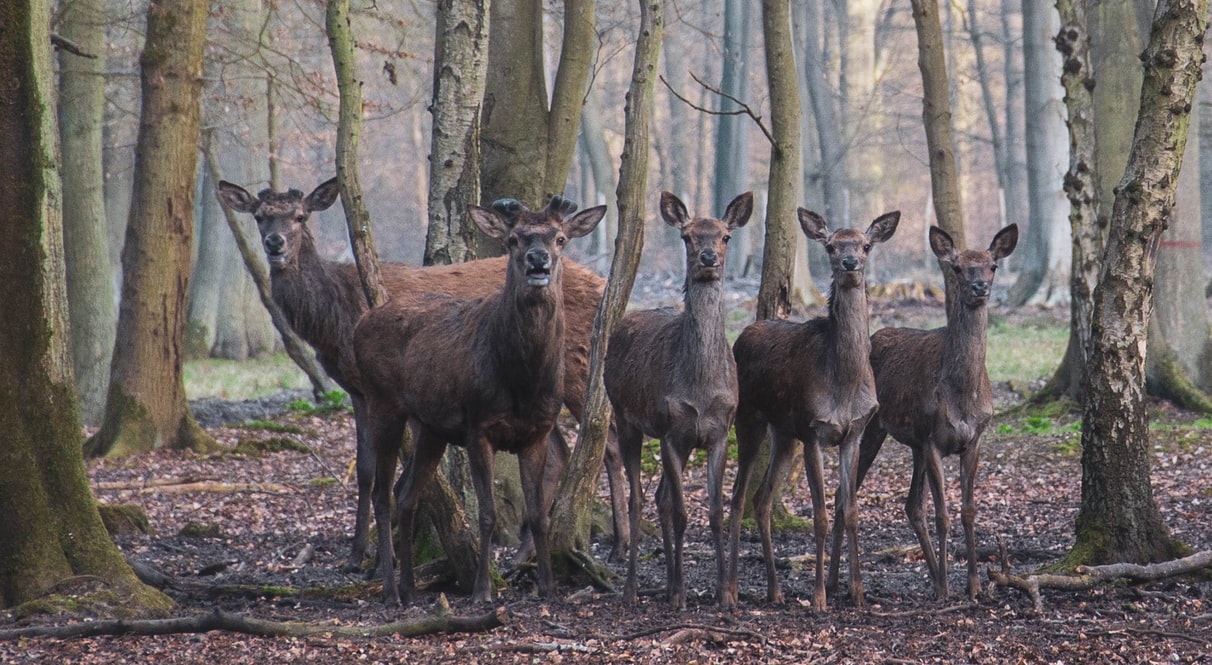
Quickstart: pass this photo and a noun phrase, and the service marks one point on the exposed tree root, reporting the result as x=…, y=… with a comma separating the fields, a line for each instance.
x=1088, y=577
x=440, y=622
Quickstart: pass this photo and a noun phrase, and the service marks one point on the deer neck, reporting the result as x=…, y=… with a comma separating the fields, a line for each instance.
x=849, y=320
x=321, y=299
x=528, y=330
x=702, y=337
x=962, y=367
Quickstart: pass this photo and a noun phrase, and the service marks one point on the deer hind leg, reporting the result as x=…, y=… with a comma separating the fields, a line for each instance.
x=748, y=439
x=623, y=529
x=631, y=446
x=968, y=462
x=672, y=506
x=782, y=449
x=815, y=471
x=417, y=474
x=942, y=519
x=479, y=457
x=535, y=488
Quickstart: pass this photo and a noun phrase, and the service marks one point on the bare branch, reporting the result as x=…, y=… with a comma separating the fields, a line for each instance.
x=744, y=110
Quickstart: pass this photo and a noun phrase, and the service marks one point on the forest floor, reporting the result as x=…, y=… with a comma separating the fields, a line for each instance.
x=264, y=533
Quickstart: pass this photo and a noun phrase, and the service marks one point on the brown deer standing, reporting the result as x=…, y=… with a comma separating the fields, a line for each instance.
x=935, y=397
x=486, y=374
x=809, y=381
x=671, y=376
x=323, y=300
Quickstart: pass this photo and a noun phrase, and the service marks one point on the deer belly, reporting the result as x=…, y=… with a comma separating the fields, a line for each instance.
x=510, y=434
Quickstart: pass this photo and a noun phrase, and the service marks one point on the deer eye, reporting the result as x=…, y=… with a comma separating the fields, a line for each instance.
x=726, y=239
x=867, y=247
x=993, y=267
x=831, y=249
x=560, y=240
x=301, y=218
x=512, y=241
x=957, y=269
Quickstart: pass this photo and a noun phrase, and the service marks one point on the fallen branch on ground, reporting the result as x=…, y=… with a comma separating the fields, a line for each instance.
x=1088, y=577
x=239, y=623
x=172, y=486
x=684, y=632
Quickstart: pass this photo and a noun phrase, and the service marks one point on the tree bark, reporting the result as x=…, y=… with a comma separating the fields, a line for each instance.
x=91, y=292
x=572, y=510
x=146, y=406
x=52, y=530
x=731, y=176
x=460, y=68
x=776, y=292
x=1119, y=520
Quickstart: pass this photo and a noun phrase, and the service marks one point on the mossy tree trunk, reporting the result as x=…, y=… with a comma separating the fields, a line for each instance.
x=572, y=511
x=52, y=530
x=1119, y=519
x=146, y=406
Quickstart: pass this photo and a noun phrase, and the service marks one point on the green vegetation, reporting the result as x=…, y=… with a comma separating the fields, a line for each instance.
x=262, y=447
x=248, y=379
x=332, y=402
x=1024, y=353
x=269, y=426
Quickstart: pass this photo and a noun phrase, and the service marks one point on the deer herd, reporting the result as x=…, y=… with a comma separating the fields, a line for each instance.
x=484, y=354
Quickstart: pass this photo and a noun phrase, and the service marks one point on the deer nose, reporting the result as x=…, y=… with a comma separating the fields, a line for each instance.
x=850, y=262
x=980, y=288
x=538, y=258
x=274, y=243
x=709, y=258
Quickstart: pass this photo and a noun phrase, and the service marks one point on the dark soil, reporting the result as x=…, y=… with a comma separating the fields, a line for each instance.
x=284, y=519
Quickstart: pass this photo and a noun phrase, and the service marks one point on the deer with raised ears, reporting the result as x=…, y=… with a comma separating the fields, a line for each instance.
x=486, y=374
x=935, y=397
x=323, y=300
x=809, y=381
x=670, y=376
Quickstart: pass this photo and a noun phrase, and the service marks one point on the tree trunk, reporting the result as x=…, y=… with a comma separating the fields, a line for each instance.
x=90, y=277
x=572, y=511
x=146, y=406
x=1081, y=187
x=1178, y=349
x=577, y=57
x=1044, y=268
x=1016, y=195
x=593, y=142
x=52, y=530
x=731, y=176
x=461, y=64
x=1119, y=519
x=786, y=163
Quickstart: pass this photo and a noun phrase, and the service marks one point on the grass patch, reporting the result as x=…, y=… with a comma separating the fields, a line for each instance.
x=332, y=402
x=247, y=379
x=269, y=426
x=263, y=447
x=1024, y=353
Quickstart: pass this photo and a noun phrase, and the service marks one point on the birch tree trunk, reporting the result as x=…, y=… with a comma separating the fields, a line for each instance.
x=1119, y=520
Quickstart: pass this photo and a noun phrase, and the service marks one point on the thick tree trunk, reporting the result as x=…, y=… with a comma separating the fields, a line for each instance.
x=91, y=290
x=778, y=287
x=146, y=405
x=52, y=530
x=1119, y=519
x=572, y=511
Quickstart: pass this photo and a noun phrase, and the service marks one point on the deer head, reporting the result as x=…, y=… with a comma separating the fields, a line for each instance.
x=281, y=217
x=974, y=269
x=848, y=248
x=706, y=239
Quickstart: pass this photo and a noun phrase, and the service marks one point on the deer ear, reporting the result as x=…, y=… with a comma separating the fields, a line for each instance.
x=583, y=223
x=490, y=222
x=883, y=227
x=1004, y=242
x=236, y=197
x=323, y=196
x=813, y=225
x=738, y=212
x=941, y=244
x=673, y=211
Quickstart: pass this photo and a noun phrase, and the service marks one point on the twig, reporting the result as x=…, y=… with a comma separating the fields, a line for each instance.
x=925, y=611
x=684, y=627
x=64, y=44
x=744, y=110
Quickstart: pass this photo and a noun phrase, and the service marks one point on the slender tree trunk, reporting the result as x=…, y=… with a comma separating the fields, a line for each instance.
x=786, y=163
x=731, y=176
x=593, y=142
x=146, y=406
x=1119, y=519
x=572, y=509
x=90, y=277
x=461, y=60
x=577, y=57
x=52, y=530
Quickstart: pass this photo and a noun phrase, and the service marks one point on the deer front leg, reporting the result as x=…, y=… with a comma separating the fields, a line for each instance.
x=672, y=505
x=418, y=473
x=782, y=448
x=847, y=515
x=942, y=519
x=717, y=450
x=623, y=529
x=917, y=519
x=748, y=439
x=814, y=470
x=968, y=461
x=383, y=437
x=479, y=457
x=531, y=463
x=631, y=445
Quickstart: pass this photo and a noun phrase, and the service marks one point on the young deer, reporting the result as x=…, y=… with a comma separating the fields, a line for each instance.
x=809, y=381
x=323, y=300
x=935, y=397
x=671, y=376
x=486, y=374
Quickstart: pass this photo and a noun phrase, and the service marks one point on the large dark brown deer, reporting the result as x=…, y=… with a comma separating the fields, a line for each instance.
x=323, y=300
x=935, y=397
x=809, y=381
x=486, y=374
x=671, y=376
